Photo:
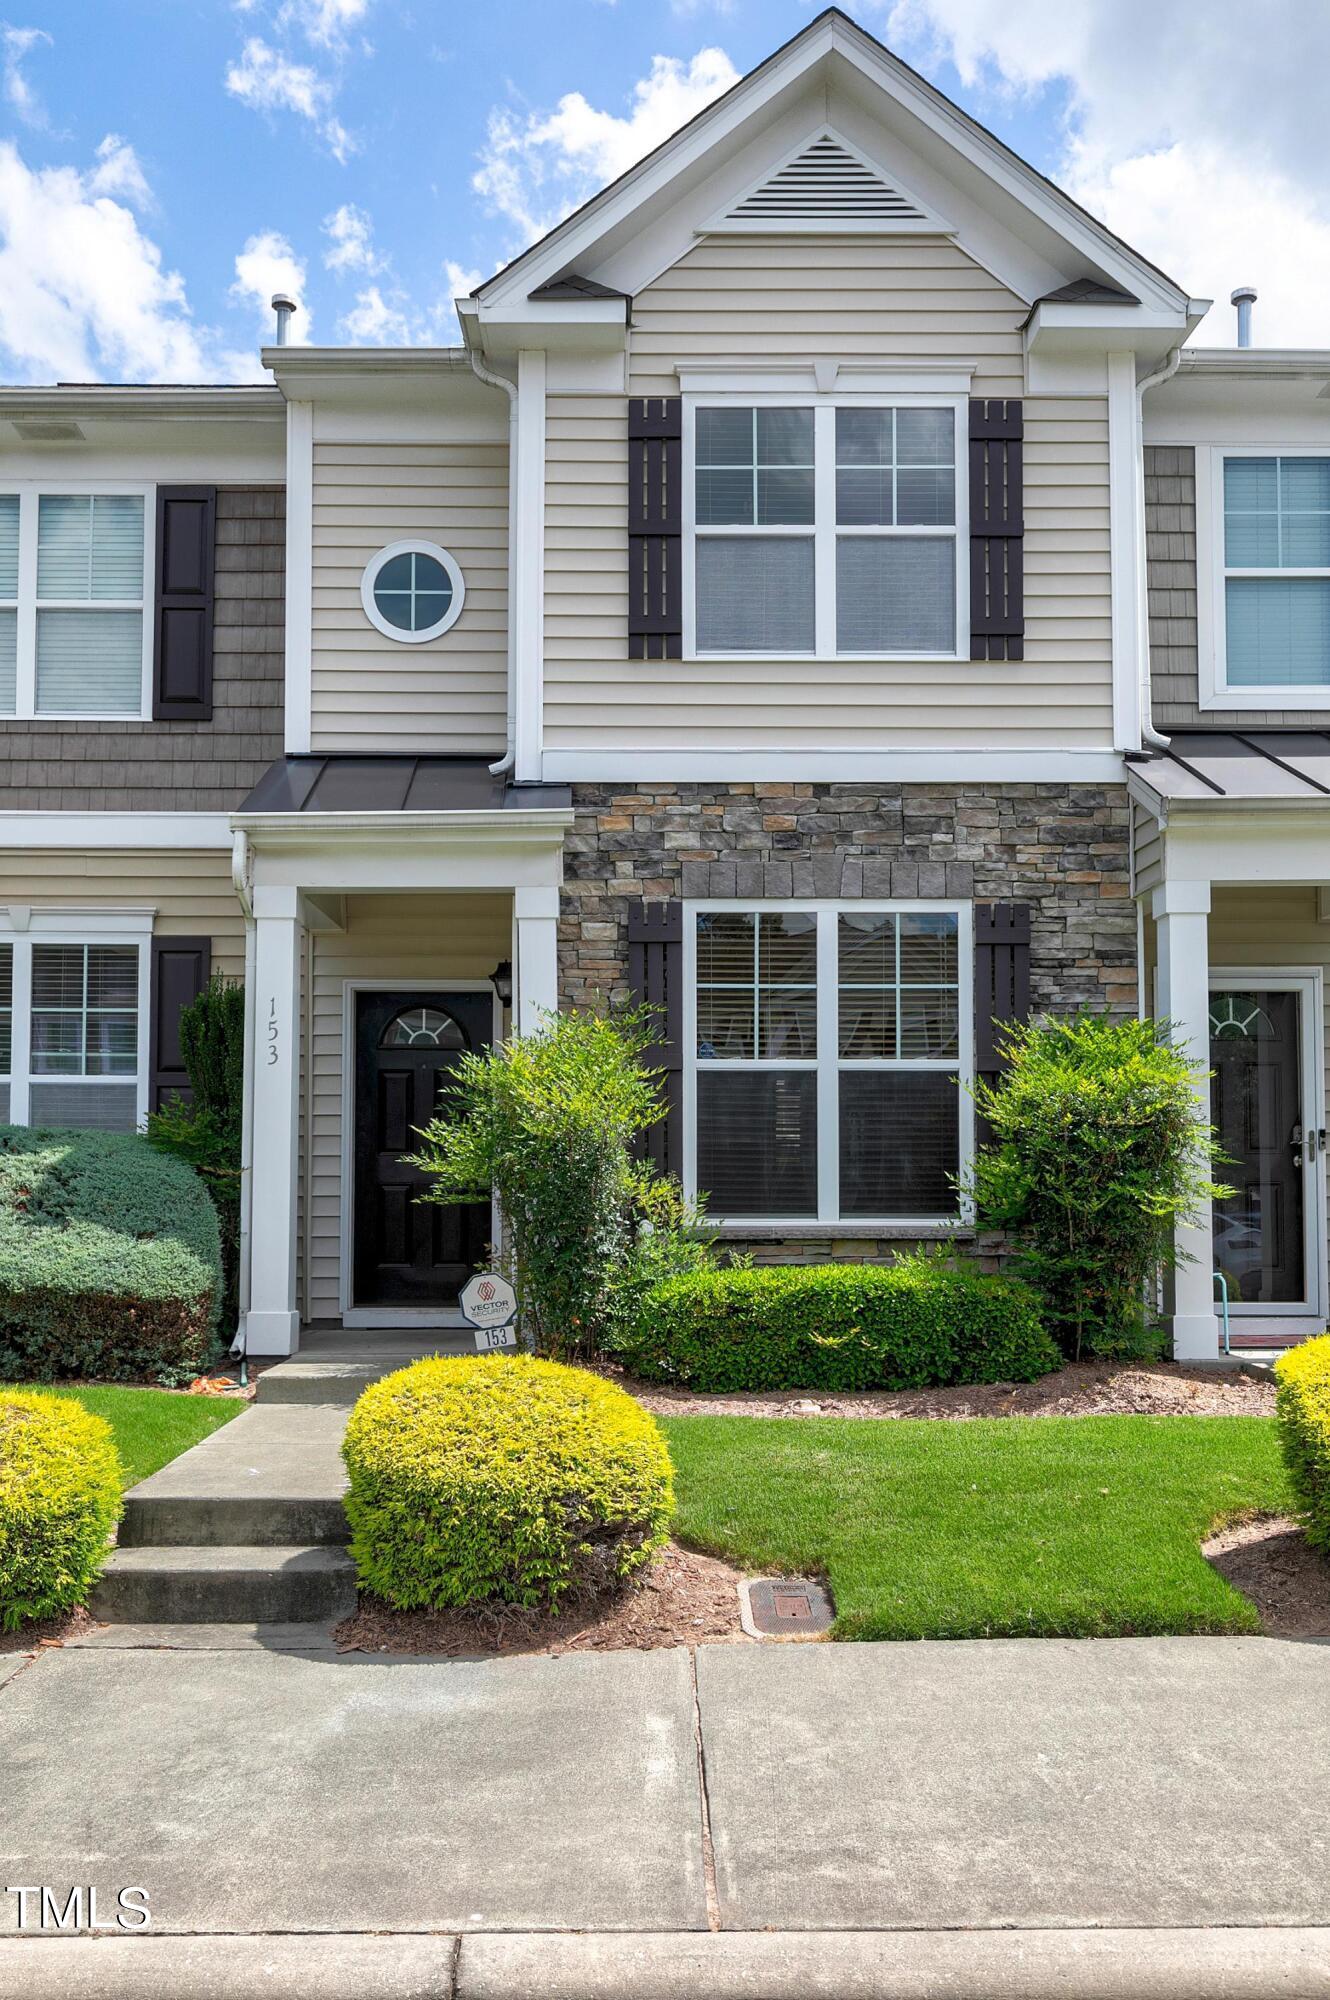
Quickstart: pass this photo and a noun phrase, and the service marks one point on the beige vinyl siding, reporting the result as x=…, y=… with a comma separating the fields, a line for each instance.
x=849, y=300
x=845, y=298
x=1147, y=850
x=412, y=940
x=192, y=894
x=374, y=693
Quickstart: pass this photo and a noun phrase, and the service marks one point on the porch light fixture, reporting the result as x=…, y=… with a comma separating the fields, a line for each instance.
x=501, y=979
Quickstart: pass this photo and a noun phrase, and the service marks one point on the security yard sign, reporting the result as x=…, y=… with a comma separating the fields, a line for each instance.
x=489, y=1303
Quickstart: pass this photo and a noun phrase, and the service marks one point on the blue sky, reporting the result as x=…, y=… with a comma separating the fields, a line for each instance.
x=165, y=164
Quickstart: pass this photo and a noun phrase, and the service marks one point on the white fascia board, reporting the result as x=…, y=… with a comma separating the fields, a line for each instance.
x=90, y=921
x=812, y=767
x=571, y=241
x=1275, y=363
x=551, y=323
x=506, y=826
x=129, y=831
x=1058, y=328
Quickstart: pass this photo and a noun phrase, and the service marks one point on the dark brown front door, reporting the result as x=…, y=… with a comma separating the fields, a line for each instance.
x=410, y=1252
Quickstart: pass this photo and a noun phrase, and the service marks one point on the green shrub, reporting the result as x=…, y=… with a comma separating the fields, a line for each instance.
x=1097, y=1155
x=915, y=1324
x=109, y=1260
x=548, y=1122
x=206, y=1133
x=59, y=1500
x=502, y=1478
x=1302, y=1411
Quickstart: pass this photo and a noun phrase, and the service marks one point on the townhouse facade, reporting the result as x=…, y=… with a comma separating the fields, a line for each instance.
x=827, y=596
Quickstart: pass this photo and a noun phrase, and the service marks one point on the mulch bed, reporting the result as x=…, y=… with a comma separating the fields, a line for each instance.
x=45, y=1632
x=684, y=1600
x=1271, y=1562
x=1081, y=1389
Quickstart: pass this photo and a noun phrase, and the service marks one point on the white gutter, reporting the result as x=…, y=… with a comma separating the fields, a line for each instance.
x=497, y=381
x=1149, y=734
x=240, y=869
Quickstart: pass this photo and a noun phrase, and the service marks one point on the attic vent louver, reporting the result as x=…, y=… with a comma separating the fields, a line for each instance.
x=826, y=184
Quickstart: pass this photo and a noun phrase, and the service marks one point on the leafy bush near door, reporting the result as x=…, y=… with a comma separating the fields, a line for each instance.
x=110, y=1263
x=1097, y=1155
x=1302, y=1411
x=59, y=1500
x=506, y=1479
x=548, y=1123
x=206, y=1133
x=919, y=1323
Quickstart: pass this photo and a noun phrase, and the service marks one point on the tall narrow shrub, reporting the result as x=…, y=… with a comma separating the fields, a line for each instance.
x=1097, y=1155
x=207, y=1133
x=547, y=1121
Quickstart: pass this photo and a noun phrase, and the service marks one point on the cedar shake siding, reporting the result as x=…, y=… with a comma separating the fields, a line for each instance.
x=1170, y=553
x=141, y=766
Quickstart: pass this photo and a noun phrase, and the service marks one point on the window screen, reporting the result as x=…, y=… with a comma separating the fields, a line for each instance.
x=1277, y=571
x=800, y=1089
x=89, y=657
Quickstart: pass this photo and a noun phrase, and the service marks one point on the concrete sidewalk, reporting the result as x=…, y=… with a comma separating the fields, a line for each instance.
x=1035, y=1787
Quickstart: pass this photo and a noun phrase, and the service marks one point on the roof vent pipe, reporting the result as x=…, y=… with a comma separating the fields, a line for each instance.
x=283, y=307
x=1244, y=298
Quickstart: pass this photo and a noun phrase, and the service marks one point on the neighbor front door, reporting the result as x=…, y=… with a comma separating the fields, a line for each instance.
x=409, y=1252
x=1268, y=1232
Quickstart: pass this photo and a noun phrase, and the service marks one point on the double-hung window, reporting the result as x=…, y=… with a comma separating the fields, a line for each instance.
x=71, y=1027
x=826, y=528
x=1275, y=611
x=827, y=1052
x=73, y=589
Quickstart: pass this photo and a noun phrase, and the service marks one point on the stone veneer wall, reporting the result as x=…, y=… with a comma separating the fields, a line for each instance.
x=1064, y=849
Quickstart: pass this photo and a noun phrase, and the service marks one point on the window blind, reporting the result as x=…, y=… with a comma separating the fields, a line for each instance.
x=895, y=595
x=89, y=662
x=90, y=545
x=755, y=594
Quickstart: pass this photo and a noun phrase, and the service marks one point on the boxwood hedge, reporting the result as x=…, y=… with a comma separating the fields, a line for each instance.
x=919, y=1323
x=109, y=1259
x=483, y=1477
x=1302, y=1410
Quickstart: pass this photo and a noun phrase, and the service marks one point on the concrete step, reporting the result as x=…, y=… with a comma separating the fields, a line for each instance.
x=333, y=1366
x=226, y=1585
x=253, y=1520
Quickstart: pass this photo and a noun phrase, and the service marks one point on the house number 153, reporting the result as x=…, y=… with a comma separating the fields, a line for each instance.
x=274, y=1031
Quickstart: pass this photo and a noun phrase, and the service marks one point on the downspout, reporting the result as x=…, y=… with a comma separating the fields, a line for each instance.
x=497, y=381
x=1150, y=736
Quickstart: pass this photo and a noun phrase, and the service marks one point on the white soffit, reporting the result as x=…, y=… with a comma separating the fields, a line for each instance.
x=827, y=184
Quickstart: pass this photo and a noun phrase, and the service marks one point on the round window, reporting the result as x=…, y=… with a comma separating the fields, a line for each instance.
x=412, y=591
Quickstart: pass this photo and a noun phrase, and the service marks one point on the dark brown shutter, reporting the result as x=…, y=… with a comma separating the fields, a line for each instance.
x=182, y=638
x=997, y=528
x=1001, y=979
x=655, y=974
x=180, y=970
x=655, y=528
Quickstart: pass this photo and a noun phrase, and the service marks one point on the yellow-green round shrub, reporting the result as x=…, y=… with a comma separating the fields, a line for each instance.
x=1302, y=1411
x=502, y=1478
x=59, y=1500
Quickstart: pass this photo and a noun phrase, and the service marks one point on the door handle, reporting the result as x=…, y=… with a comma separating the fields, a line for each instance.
x=1296, y=1142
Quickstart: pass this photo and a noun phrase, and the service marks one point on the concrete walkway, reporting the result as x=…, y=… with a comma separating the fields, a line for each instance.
x=1037, y=1787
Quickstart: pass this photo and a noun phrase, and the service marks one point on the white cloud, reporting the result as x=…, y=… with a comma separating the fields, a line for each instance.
x=327, y=22
x=267, y=80
x=386, y=317
x=1207, y=153
x=266, y=265
x=536, y=169
x=20, y=96
x=350, y=236
x=83, y=292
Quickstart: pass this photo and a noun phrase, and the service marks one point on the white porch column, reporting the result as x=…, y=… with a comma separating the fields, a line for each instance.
x=272, y=1324
x=1181, y=912
x=535, y=957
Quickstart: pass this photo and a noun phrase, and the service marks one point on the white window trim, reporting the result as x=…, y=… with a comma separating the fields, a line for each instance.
x=23, y=928
x=26, y=604
x=823, y=530
x=414, y=545
x=1213, y=689
x=828, y=1064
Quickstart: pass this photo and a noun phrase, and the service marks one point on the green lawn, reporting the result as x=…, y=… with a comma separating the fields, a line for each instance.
x=1082, y=1526
x=151, y=1426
